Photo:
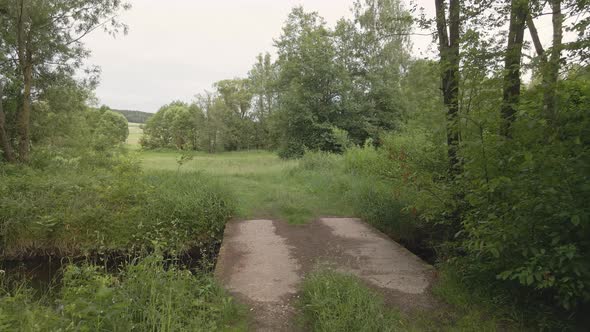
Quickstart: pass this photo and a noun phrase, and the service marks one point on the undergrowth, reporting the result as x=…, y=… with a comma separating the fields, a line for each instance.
x=332, y=301
x=72, y=210
x=147, y=295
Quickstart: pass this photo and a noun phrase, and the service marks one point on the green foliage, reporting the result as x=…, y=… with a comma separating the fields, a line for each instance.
x=20, y=310
x=319, y=161
x=176, y=125
x=308, y=77
x=528, y=220
x=474, y=307
x=184, y=210
x=290, y=150
x=385, y=194
x=44, y=41
x=523, y=214
x=149, y=294
x=72, y=208
x=110, y=129
x=332, y=301
x=377, y=204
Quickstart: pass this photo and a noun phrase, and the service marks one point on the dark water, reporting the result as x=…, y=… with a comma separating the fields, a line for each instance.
x=40, y=273
x=44, y=273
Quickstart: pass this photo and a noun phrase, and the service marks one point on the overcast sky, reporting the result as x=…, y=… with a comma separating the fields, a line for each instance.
x=178, y=48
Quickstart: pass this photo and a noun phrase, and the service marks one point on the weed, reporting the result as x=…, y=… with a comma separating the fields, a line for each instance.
x=148, y=295
x=333, y=301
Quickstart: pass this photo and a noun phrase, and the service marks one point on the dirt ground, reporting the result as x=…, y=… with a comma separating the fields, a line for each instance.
x=262, y=262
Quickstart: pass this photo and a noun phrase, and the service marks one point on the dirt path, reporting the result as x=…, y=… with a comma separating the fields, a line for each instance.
x=262, y=263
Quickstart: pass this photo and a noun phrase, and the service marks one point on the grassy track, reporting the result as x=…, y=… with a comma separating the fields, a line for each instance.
x=264, y=185
x=135, y=133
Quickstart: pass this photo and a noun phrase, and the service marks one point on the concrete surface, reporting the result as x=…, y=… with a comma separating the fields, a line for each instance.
x=262, y=262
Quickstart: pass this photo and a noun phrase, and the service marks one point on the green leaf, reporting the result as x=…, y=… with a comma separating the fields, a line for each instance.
x=575, y=220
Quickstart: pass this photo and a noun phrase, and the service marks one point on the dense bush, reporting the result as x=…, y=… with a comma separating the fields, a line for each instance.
x=148, y=295
x=403, y=194
x=71, y=209
x=376, y=203
x=319, y=161
x=516, y=215
x=528, y=221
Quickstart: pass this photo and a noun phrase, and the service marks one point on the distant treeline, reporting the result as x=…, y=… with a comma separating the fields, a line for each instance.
x=135, y=116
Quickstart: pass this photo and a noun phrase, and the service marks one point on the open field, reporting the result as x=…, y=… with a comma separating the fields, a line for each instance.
x=264, y=185
x=135, y=133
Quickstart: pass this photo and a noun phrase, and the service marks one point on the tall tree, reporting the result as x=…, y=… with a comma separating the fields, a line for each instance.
x=44, y=36
x=549, y=65
x=4, y=139
x=373, y=51
x=448, y=30
x=262, y=78
x=308, y=82
x=519, y=10
x=263, y=86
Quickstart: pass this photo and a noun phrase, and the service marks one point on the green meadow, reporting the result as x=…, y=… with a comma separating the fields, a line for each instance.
x=135, y=133
x=264, y=185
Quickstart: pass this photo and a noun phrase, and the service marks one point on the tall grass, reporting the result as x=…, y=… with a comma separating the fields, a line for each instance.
x=332, y=301
x=73, y=210
x=147, y=295
x=264, y=185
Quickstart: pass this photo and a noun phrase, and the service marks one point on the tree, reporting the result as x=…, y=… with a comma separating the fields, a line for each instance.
x=519, y=10
x=176, y=125
x=309, y=101
x=236, y=95
x=263, y=84
x=448, y=39
x=212, y=108
x=5, y=145
x=373, y=51
x=44, y=37
x=110, y=129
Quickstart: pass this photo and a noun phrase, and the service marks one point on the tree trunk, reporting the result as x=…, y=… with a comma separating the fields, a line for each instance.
x=551, y=72
x=4, y=139
x=535, y=37
x=549, y=68
x=25, y=62
x=24, y=117
x=449, y=62
x=519, y=10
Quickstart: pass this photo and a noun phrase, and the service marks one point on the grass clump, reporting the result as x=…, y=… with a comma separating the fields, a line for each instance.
x=332, y=301
x=148, y=295
x=319, y=161
x=183, y=210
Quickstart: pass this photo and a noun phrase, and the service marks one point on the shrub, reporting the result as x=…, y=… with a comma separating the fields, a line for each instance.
x=290, y=150
x=376, y=203
x=319, y=161
x=527, y=220
x=184, y=210
x=110, y=129
x=365, y=161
